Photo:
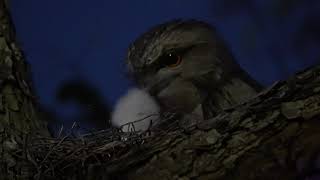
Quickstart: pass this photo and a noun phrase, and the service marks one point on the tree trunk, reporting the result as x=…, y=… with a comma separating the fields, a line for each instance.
x=18, y=114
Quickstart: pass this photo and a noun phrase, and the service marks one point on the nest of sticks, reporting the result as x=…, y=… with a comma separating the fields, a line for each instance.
x=76, y=154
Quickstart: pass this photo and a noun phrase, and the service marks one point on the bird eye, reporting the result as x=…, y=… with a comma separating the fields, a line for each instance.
x=172, y=60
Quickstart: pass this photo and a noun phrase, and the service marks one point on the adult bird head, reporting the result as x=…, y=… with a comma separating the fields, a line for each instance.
x=184, y=63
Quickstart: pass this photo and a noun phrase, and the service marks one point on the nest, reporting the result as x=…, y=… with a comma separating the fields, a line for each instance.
x=76, y=154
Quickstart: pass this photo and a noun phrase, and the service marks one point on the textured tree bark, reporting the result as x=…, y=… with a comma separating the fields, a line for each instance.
x=273, y=136
x=18, y=113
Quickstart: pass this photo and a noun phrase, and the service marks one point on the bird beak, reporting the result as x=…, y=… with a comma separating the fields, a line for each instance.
x=155, y=86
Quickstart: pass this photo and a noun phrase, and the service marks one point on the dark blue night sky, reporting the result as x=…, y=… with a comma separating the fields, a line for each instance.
x=66, y=39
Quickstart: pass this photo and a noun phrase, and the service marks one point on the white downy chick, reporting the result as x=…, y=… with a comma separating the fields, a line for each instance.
x=134, y=106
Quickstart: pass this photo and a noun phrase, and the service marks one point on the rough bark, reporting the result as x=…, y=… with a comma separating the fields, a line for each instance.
x=273, y=136
x=18, y=114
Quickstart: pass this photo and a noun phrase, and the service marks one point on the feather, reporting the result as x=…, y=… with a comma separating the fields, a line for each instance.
x=136, y=110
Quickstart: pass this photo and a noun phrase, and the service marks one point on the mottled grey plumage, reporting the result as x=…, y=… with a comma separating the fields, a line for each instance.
x=207, y=76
